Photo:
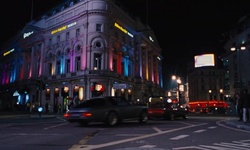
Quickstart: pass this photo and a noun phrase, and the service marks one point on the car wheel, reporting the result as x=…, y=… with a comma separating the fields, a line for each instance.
x=143, y=117
x=112, y=119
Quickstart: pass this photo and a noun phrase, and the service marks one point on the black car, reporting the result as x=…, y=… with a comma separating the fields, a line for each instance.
x=109, y=110
x=167, y=110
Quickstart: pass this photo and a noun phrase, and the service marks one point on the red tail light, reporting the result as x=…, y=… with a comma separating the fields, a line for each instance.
x=86, y=114
x=67, y=115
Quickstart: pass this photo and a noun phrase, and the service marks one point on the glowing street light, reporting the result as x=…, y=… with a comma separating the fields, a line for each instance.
x=178, y=81
x=238, y=49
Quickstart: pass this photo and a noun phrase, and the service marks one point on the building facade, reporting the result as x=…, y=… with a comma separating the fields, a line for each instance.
x=206, y=84
x=78, y=50
x=237, y=57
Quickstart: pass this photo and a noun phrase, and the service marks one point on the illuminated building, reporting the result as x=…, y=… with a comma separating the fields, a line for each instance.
x=58, y=58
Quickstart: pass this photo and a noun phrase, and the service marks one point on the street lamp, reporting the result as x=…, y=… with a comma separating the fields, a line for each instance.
x=179, y=89
x=221, y=94
x=210, y=94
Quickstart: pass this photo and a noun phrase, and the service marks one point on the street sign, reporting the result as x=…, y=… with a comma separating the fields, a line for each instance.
x=120, y=86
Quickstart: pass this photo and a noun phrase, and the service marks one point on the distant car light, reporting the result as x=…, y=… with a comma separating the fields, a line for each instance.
x=169, y=100
x=66, y=115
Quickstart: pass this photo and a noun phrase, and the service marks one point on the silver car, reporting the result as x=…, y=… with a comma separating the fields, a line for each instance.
x=109, y=110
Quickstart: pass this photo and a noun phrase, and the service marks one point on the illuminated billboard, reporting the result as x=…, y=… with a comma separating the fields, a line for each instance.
x=204, y=60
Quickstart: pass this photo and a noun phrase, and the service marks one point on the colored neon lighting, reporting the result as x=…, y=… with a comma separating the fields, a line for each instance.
x=126, y=65
x=123, y=30
x=8, y=52
x=63, y=28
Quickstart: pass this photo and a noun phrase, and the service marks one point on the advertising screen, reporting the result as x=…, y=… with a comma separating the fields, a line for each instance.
x=204, y=60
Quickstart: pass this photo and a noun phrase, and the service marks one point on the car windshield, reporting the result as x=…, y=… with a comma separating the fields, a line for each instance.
x=97, y=102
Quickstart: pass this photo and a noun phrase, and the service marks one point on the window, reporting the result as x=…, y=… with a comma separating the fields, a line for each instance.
x=50, y=68
x=78, y=63
x=114, y=65
x=97, y=61
x=58, y=66
x=77, y=32
x=58, y=38
x=78, y=47
x=67, y=65
x=98, y=27
x=98, y=44
x=122, y=66
x=96, y=102
x=67, y=36
x=50, y=41
x=118, y=101
x=38, y=65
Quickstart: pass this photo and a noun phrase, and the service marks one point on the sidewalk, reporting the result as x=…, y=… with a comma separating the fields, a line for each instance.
x=31, y=115
x=235, y=123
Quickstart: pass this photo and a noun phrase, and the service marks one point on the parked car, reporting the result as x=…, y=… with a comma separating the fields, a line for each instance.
x=109, y=110
x=167, y=110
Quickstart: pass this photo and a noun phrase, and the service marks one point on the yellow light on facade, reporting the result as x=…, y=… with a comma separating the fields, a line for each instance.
x=81, y=93
x=66, y=89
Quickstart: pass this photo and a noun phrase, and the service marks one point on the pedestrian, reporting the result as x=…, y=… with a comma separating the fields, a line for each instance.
x=238, y=106
x=245, y=105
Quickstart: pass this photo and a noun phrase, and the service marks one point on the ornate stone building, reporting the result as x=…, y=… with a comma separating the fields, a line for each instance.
x=78, y=50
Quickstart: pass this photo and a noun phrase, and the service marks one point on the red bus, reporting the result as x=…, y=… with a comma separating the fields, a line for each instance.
x=211, y=106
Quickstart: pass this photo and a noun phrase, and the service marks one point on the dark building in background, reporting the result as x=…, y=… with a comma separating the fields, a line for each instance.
x=237, y=57
x=206, y=79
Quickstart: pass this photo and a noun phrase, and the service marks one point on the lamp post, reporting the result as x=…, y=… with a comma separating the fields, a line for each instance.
x=239, y=81
x=178, y=81
x=221, y=95
x=210, y=94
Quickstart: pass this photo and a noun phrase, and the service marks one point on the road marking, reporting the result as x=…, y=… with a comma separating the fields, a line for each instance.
x=199, y=131
x=148, y=146
x=239, y=145
x=213, y=127
x=129, y=134
x=190, y=147
x=232, y=146
x=90, y=147
x=55, y=126
x=157, y=129
x=179, y=137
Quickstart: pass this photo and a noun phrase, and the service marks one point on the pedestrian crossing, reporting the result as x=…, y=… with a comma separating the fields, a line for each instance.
x=234, y=145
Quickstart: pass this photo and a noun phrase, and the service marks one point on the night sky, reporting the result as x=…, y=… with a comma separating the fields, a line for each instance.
x=183, y=28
